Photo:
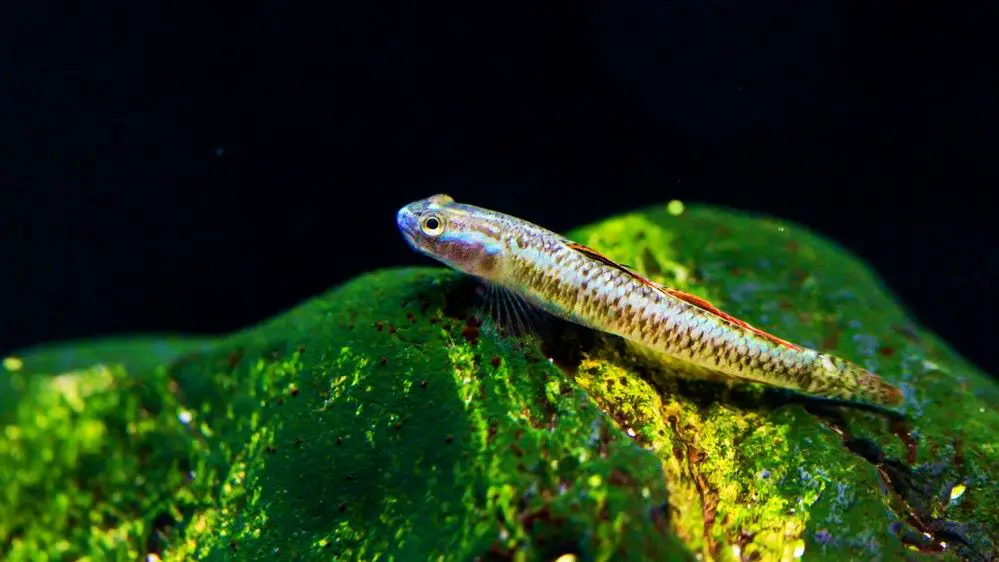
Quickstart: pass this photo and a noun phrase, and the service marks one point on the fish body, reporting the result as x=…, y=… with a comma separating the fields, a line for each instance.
x=580, y=285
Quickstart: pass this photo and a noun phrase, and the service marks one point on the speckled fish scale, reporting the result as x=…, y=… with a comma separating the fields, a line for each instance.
x=581, y=285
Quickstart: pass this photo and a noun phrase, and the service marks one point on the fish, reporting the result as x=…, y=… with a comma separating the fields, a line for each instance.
x=536, y=269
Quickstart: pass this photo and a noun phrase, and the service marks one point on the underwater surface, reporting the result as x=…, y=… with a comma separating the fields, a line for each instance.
x=382, y=421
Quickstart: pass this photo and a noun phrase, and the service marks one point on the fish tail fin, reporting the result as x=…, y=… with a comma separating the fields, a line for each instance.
x=837, y=378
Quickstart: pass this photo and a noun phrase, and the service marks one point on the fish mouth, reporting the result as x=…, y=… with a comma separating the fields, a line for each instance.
x=405, y=219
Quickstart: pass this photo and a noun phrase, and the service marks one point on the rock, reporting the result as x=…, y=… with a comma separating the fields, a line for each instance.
x=381, y=419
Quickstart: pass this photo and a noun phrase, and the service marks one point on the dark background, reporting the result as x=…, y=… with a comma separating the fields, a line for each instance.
x=197, y=167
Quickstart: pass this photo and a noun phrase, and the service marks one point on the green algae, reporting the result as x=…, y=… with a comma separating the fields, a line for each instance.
x=377, y=422
x=371, y=429
x=845, y=484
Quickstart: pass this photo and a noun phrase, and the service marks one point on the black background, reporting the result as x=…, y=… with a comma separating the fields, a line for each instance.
x=197, y=167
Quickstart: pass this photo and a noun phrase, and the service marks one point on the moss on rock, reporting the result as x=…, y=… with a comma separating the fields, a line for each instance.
x=380, y=422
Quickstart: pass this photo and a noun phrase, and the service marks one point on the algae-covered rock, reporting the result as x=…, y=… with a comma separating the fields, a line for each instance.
x=380, y=422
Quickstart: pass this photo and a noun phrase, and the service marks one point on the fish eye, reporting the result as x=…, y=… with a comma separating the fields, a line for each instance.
x=432, y=226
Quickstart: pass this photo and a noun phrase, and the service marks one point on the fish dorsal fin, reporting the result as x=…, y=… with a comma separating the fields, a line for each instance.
x=591, y=253
x=688, y=298
x=705, y=305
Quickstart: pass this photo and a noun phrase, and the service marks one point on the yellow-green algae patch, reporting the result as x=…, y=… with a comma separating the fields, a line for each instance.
x=376, y=423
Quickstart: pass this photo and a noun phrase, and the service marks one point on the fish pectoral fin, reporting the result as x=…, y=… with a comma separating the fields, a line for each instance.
x=514, y=315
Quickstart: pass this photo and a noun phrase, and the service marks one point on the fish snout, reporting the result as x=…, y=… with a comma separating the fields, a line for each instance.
x=406, y=220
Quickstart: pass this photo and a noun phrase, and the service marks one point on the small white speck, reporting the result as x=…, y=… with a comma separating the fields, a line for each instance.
x=827, y=363
x=631, y=432
x=185, y=417
x=981, y=410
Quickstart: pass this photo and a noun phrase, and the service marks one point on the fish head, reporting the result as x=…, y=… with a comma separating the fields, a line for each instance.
x=463, y=237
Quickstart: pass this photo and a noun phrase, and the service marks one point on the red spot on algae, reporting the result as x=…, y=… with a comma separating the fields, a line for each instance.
x=234, y=357
x=471, y=330
x=902, y=431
